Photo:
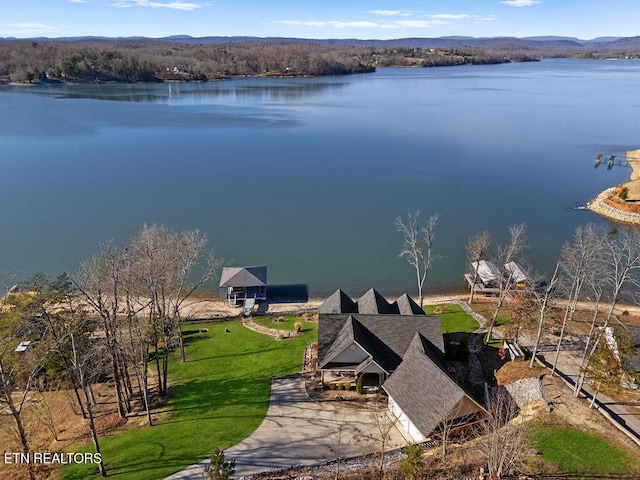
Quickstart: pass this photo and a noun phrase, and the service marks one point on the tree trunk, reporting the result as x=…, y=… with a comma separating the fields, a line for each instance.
x=473, y=285
x=75, y=390
x=543, y=311
x=568, y=316
x=183, y=355
x=585, y=355
x=92, y=428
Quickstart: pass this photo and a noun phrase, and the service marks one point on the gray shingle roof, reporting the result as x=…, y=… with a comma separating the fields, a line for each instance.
x=424, y=392
x=338, y=302
x=346, y=336
x=243, y=277
x=387, y=336
x=406, y=306
x=372, y=303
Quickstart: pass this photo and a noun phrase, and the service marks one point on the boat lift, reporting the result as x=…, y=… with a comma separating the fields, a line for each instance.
x=612, y=160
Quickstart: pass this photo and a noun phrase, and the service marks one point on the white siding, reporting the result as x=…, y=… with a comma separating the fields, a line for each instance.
x=406, y=423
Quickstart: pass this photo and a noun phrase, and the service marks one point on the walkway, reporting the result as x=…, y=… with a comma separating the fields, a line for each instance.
x=300, y=431
x=568, y=369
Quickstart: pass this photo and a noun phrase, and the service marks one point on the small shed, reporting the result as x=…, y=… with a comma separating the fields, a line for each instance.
x=240, y=283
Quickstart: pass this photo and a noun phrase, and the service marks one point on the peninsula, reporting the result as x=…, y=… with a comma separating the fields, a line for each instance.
x=622, y=203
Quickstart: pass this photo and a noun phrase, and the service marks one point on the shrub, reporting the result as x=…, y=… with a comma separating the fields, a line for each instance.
x=220, y=468
x=297, y=327
x=347, y=386
x=341, y=386
x=332, y=386
x=359, y=385
x=280, y=336
x=624, y=193
x=414, y=462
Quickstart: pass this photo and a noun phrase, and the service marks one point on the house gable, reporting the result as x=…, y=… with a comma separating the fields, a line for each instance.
x=424, y=393
x=346, y=350
x=243, y=277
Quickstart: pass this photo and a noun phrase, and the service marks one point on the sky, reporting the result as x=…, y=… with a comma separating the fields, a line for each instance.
x=320, y=19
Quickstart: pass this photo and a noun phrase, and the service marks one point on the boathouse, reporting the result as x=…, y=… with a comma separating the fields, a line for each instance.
x=238, y=284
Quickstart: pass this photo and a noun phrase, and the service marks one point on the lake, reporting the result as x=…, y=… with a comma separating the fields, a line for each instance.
x=306, y=175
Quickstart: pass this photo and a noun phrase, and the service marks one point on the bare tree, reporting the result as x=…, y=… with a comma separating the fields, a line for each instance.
x=597, y=292
x=418, y=245
x=100, y=284
x=477, y=249
x=503, y=436
x=452, y=421
x=507, y=253
x=617, y=275
x=44, y=410
x=578, y=262
x=337, y=442
x=14, y=407
x=163, y=262
x=543, y=312
x=622, y=266
x=24, y=351
x=380, y=438
x=87, y=365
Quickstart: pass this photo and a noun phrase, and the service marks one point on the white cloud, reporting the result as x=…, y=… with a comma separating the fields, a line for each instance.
x=414, y=23
x=311, y=23
x=186, y=6
x=387, y=13
x=77, y=1
x=392, y=13
x=450, y=16
x=330, y=23
x=520, y=3
x=490, y=18
x=28, y=28
x=352, y=24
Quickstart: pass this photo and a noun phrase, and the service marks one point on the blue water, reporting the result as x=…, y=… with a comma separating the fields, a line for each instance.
x=307, y=175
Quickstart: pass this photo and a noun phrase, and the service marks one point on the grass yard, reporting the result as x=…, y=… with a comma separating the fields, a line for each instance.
x=218, y=398
x=487, y=309
x=573, y=452
x=288, y=324
x=454, y=319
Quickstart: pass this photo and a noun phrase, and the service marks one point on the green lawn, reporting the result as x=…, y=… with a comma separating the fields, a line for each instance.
x=576, y=452
x=454, y=320
x=486, y=310
x=288, y=324
x=219, y=397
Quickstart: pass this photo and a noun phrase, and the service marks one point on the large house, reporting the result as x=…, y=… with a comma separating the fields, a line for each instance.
x=395, y=346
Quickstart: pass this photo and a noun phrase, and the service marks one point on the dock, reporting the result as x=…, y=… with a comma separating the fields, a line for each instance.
x=598, y=160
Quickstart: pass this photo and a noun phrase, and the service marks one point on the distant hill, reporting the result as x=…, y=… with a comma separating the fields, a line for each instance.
x=548, y=42
x=537, y=43
x=185, y=58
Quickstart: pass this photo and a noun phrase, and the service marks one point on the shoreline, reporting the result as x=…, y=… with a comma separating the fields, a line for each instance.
x=600, y=205
x=209, y=308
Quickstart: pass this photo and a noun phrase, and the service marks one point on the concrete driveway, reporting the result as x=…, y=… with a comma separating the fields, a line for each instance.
x=299, y=431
